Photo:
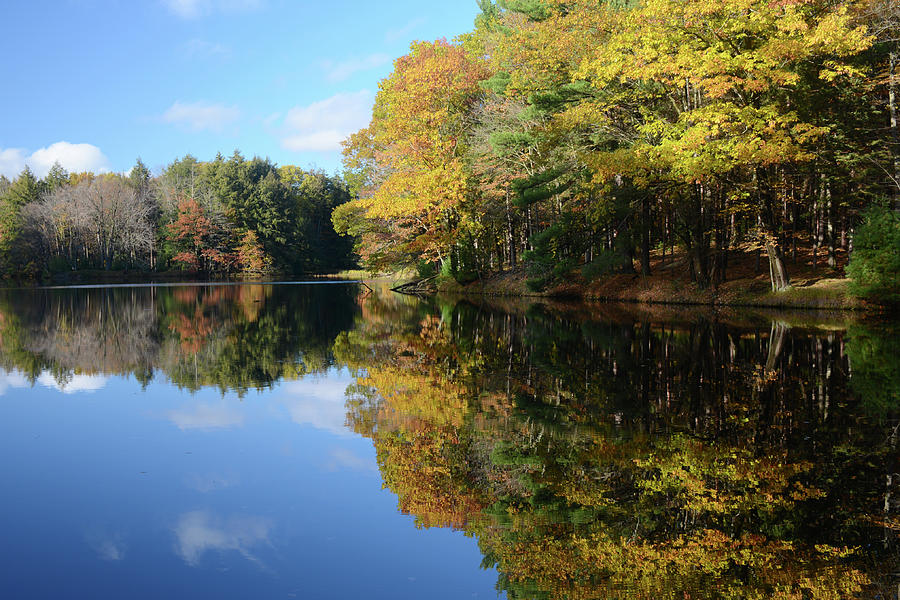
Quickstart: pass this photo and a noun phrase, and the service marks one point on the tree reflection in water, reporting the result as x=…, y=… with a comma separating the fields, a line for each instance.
x=234, y=337
x=592, y=453
x=637, y=457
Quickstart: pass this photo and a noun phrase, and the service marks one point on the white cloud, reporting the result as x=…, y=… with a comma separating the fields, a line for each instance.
x=315, y=141
x=343, y=70
x=400, y=33
x=206, y=417
x=192, y=9
x=12, y=379
x=12, y=161
x=199, y=532
x=321, y=126
x=72, y=157
x=74, y=384
x=320, y=403
x=201, y=116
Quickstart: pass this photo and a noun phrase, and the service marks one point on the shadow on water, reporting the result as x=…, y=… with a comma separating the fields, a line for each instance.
x=592, y=453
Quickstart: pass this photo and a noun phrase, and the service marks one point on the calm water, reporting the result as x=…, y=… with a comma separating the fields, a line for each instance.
x=328, y=441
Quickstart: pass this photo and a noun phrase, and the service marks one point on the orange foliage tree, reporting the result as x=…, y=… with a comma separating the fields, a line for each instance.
x=202, y=244
x=408, y=162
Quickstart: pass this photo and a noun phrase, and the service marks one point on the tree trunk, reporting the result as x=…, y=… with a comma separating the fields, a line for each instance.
x=816, y=227
x=700, y=267
x=777, y=269
x=768, y=232
x=529, y=227
x=511, y=233
x=894, y=59
x=829, y=229
x=645, y=236
x=700, y=241
x=624, y=240
x=720, y=258
x=628, y=255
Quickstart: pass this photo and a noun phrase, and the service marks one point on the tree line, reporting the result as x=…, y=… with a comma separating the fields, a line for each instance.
x=224, y=217
x=568, y=134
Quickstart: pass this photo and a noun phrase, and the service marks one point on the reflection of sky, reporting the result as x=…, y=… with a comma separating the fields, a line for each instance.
x=159, y=493
x=319, y=401
x=108, y=546
x=207, y=416
x=199, y=532
x=11, y=380
x=72, y=384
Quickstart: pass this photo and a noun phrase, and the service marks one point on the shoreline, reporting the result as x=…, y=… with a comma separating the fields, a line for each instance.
x=827, y=293
x=821, y=294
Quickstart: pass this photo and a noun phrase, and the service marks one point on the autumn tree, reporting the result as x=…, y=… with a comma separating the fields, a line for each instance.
x=251, y=258
x=202, y=243
x=411, y=152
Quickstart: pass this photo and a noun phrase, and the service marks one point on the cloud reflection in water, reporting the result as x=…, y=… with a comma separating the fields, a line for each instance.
x=320, y=402
x=199, y=532
x=73, y=383
x=206, y=417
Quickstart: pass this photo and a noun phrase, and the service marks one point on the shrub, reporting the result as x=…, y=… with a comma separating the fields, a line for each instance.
x=874, y=267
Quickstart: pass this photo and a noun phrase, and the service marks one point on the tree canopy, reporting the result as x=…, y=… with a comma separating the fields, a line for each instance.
x=224, y=217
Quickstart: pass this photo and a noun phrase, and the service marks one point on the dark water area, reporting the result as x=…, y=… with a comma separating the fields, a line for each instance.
x=333, y=441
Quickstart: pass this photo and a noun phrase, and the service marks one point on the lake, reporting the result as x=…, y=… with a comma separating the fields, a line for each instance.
x=334, y=441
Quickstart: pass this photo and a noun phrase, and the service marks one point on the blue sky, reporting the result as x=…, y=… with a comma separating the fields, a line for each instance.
x=94, y=84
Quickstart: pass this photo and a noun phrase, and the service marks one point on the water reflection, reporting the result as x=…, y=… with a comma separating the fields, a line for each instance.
x=200, y=532
x=318, y=402
x=12, y=380
x=110, y=547
x=591, y=452
x=641, y=458
x=206, y=417
x=236, y=338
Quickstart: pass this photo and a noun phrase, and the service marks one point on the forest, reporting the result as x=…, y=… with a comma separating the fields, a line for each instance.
x=558, y=140
x=580, y=137
x=226, y=217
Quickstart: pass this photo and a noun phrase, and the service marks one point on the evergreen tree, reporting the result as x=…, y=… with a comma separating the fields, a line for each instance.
x=56, y=178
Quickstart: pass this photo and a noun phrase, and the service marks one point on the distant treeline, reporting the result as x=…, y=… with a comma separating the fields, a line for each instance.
x=224, y=217
x=577, y=133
